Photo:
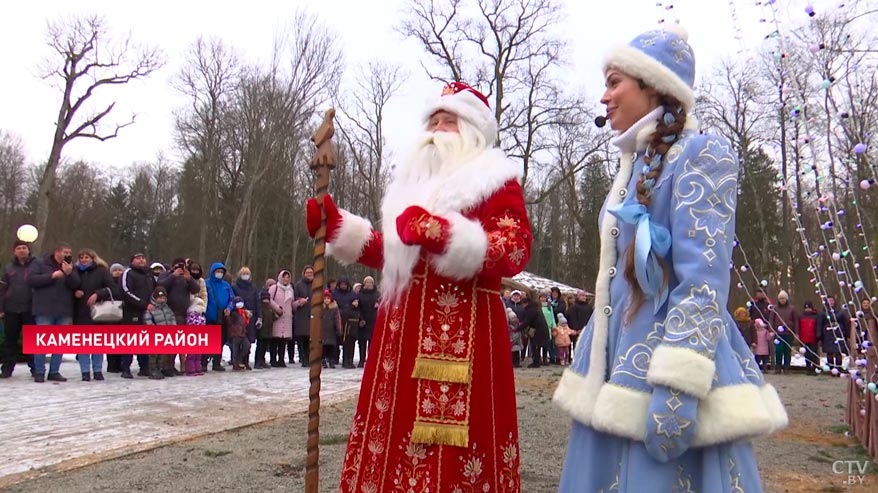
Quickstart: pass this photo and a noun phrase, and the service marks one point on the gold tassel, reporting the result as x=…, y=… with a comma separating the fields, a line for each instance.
x=441, y=371
x=436, y=434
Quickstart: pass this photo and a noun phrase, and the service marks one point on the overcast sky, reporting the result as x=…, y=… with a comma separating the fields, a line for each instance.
x=29, y=105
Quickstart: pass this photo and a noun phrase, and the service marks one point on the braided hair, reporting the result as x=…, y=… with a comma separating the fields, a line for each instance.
x=667, y=132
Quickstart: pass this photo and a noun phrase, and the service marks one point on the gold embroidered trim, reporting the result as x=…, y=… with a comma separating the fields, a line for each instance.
x=441, y=371
x=489, y=291
x=431, y=433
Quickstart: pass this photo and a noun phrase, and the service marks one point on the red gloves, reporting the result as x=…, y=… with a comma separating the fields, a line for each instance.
x=333, y=217
x=416, y=226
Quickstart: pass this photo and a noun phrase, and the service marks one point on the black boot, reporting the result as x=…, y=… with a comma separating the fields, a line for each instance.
x=99, y=376
x=126, y=374
x=86, y=377
x=56, y=377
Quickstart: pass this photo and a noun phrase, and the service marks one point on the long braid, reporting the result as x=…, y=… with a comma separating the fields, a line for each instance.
x=660, y=143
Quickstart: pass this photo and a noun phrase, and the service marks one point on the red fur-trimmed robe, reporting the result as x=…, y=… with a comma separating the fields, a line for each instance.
x=437, y=406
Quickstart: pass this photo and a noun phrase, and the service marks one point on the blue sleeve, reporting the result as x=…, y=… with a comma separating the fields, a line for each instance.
x=702, y=228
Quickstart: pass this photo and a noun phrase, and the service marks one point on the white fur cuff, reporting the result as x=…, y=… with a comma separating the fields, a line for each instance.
x=353, y=235
x=681, y=369
x=466, y=250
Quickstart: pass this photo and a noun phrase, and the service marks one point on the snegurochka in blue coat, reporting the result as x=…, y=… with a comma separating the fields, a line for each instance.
x=664, y=391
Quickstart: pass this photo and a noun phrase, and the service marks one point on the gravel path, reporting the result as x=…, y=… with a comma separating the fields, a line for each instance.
x=269, y=457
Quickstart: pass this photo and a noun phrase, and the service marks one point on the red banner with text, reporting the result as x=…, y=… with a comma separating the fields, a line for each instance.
x=122, y=339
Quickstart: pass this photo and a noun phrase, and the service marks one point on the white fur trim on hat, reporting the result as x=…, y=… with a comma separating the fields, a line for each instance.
x=641, y=66
x=468, y=106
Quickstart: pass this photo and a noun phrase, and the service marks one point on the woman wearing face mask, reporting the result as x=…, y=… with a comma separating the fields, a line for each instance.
x=281, y=298
x=664, y=391
x=197, y=273
x=219, y=307
x=249, y=293
x=96, y=285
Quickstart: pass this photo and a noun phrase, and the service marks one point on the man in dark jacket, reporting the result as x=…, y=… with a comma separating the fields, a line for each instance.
x=533, y=319
x=370, y=298
x=833, y=330
x=15, y=305
x=578, y=316
x=54, y=280
x=179, y=285
x=137, y=287
x=343, y=295
x=302, y=316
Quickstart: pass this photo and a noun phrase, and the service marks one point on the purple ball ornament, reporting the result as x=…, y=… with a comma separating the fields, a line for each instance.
x=810, y=11
x=860, y=148
x=866, y=184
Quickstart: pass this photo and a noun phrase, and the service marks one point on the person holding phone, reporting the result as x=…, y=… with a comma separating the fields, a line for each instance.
x=54, y=281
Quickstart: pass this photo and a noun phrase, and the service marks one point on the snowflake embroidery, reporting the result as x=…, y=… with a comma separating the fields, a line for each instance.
x=427, y=406
x=458, y=408
x=458, y=346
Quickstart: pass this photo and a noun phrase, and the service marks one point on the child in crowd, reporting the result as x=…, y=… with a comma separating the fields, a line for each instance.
x=331, y=330
x=160, y=315
x=514, y=337
x=194, y=316
x=238, y=342
x=561, y=337
x=764, y=338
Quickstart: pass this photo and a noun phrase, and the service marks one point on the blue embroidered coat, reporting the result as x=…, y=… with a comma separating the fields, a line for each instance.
x=690, y=343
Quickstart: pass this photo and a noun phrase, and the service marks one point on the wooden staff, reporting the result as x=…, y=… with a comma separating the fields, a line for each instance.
x=324, y=160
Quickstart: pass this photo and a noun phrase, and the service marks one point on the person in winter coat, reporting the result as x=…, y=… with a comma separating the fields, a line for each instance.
x=158, y=270
x=745, y=326
x=561, y=337
x=96, y=285
x=114, y=361
x=578, y=315
x=352, y=321
x=302, y=318
x=219, y=307
x=784, y=320
x=868, y=322
x=556, y=300
x=249, y=292
x=263, y=334
x=518, y=302
x=344, y=295
x=550, y=353
x=54, y=280
x=195, y=316
x=161, y=314
x=759, y=306
x=808, y=336
x=137, y=288
x=331, y=329
x=833, y=330
x=197, y=273
x=180, y=287
x=16, y=296
x=239, y=321
x=514, y=337
x=764, y=339
x=370, y=300
x=283, y=302
x=533, y=323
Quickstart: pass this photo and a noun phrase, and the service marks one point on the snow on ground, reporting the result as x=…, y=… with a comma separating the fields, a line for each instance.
x=76, y=423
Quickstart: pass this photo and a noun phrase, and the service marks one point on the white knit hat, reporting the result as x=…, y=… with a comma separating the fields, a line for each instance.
x=466, y=103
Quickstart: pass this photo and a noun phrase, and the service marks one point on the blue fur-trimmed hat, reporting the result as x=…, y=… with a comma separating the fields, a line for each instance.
x=662, y=59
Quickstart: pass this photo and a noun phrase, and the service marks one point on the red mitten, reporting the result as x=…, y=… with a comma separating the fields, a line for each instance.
x=333, y=217
x=416, y=226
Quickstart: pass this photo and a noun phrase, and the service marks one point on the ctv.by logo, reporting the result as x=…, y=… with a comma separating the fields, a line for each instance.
x=854, y=469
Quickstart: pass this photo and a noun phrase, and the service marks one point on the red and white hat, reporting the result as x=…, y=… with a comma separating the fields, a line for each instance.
x=466, y=103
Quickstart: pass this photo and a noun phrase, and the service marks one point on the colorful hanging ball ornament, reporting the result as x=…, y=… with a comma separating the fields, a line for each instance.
x=777, y=342
x=872, y=387
x=865, y=184
x=834, y=371
x=836, y=256
x=764, y=283
x=781, y=329
x=743, y=268
x=858, y=284
x=810, y=11
x=825, y=84
x=860, y=148
x=826, y=368
x=740, y=285
x=749, y=304
x=802, y=350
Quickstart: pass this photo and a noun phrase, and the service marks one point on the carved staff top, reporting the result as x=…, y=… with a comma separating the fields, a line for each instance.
x=323, y=140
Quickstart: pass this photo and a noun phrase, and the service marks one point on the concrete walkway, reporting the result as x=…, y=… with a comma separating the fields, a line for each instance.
x=66, y=425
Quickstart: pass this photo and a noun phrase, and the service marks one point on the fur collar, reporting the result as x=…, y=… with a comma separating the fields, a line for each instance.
x=468, y=186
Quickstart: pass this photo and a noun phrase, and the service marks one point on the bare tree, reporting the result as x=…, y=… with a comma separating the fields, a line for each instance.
x=13, y=181
x=85, y=59
x=362, y=130
x=505, y=47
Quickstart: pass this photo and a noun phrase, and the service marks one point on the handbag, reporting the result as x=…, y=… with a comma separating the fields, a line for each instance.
x=107, y=311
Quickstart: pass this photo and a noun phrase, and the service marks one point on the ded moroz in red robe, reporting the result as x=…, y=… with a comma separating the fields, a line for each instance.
x=437, y=409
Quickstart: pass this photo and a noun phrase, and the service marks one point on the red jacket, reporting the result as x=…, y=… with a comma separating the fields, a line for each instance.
x=808, y=328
